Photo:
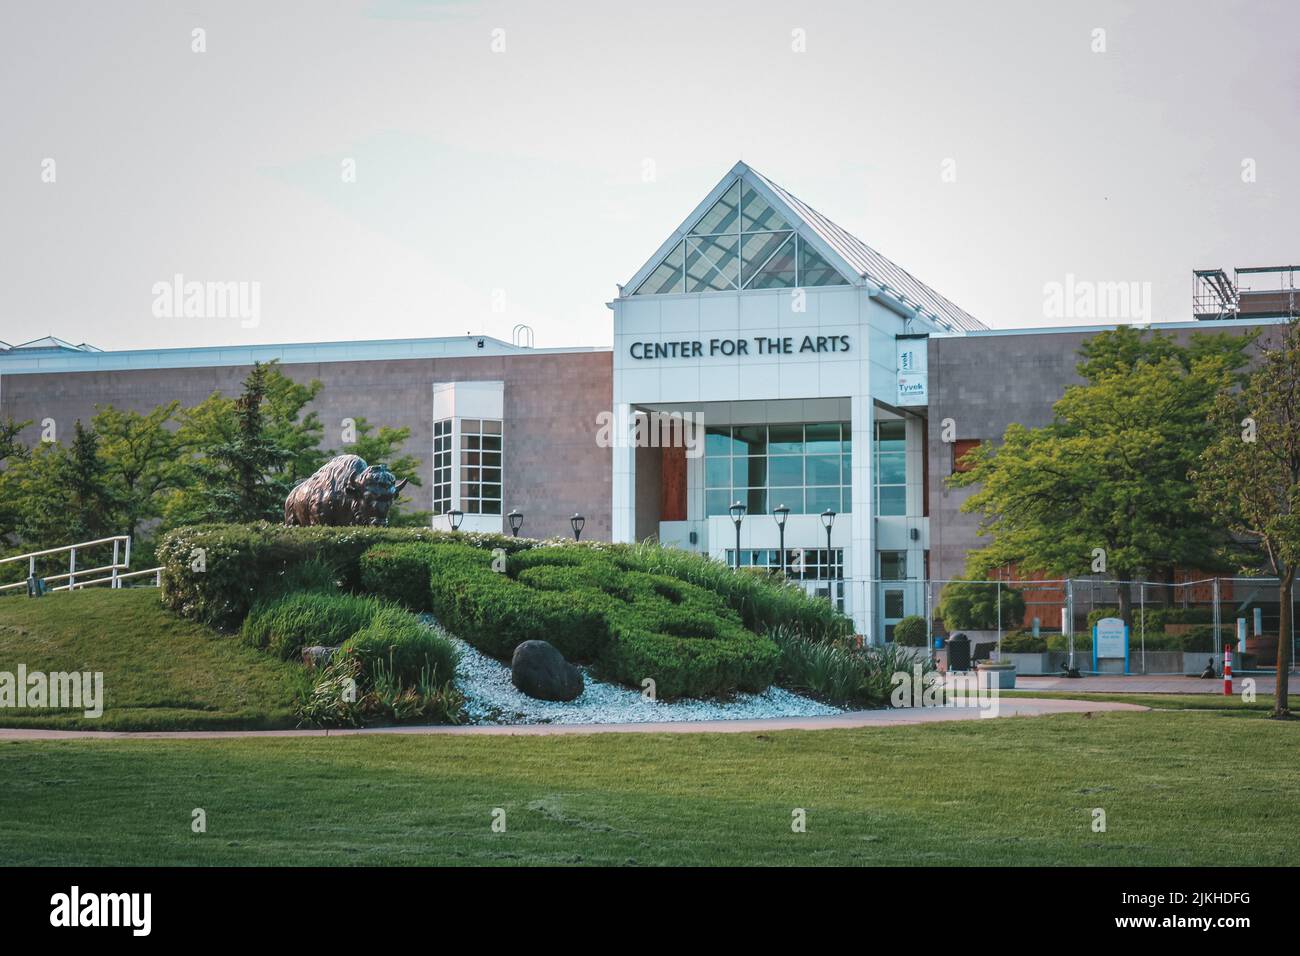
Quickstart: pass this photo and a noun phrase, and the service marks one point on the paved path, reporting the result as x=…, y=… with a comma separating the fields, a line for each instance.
x=1139, y=684
x=1007, y=707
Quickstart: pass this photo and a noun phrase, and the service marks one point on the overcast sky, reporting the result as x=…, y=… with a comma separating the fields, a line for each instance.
x=494, y=187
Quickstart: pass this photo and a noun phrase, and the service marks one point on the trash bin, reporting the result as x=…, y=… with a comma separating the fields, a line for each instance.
x=959, y=652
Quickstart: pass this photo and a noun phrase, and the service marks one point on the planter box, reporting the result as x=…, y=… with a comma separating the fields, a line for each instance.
x=914, y=653
x=1003, y=678
x=1033, y=664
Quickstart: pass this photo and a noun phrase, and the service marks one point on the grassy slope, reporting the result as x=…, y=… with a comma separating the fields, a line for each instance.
x=1178, y=788
x=161, y=672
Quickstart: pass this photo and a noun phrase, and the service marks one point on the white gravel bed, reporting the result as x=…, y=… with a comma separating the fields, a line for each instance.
x=490, y=698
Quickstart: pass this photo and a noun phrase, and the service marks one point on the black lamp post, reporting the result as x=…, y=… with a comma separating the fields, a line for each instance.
x=780, y=513
x=828, y=519
x=516, y=519
x=455, y=516
x=737, y=515
x=577, y=521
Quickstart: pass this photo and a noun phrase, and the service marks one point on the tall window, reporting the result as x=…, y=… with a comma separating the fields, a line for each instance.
x=807, y=468
x=891, y=468
x=740, y=243
x=442, y=466
x=480, y=466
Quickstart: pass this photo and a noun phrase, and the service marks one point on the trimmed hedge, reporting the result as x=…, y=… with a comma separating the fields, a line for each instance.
x=399, y=572
x=629, y=624
x=1023, y=642
x=407, y=648
x=910, y=631
x=215, y=573
x=284, y=625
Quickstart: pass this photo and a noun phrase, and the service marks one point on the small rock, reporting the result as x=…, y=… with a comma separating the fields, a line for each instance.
x=318, y=655
x=540, y=671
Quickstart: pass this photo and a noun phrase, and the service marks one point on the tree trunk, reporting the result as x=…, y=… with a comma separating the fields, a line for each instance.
x=1286, y=583
x=1125, y=594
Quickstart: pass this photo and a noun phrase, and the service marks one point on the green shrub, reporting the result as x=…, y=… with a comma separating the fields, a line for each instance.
x=404, y=646
x=842, y=674
x=398, y=572
x=1061, y=642
x=284, y=625
x=214, y=573
x=1096, y=614
x=762, y=600
x=330, y=698
x=1200, y=639
x=910, y=631
x=313, y=575
x=970, y=605
x=628, y=623
x=1023, y=642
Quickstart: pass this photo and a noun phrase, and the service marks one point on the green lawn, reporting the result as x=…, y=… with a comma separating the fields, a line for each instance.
x=161, y=672
x=1177, y=787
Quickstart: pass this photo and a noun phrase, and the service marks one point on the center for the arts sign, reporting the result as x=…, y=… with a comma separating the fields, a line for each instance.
x=759, y=345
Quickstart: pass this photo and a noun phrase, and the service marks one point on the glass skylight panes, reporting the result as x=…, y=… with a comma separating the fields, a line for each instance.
x=756, y=248
x=742, y=242
x=712, y=263
x=721, y=216
x=758, y=216
x=667, y=278
x=814, y=270
x=777, y=272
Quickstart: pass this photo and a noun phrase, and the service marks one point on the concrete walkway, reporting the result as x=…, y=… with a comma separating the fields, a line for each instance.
x=1007, y=707
x=1148, y=684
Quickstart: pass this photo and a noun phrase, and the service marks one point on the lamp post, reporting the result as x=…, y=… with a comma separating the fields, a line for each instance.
x=780, y=513
x=577, y=521
x=828, y=519
x=737, y=516
x=516, y=519
x=455, y=516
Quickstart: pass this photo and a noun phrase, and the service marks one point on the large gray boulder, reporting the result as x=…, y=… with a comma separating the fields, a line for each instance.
x=540, y=671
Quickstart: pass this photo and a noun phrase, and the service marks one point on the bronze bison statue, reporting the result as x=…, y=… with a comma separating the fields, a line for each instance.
x=344, y=491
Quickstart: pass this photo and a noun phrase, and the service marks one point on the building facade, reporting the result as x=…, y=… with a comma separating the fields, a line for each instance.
x=773, y=398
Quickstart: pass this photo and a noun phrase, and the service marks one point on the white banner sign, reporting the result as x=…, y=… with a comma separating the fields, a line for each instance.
x=913, y=375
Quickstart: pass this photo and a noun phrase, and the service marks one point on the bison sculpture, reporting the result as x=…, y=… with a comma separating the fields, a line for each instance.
x=344, y=491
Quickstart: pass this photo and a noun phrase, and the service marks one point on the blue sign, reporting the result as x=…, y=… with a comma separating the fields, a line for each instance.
x=1110, y=641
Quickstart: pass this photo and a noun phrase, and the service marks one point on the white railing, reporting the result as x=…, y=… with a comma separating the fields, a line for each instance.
x=113, y=574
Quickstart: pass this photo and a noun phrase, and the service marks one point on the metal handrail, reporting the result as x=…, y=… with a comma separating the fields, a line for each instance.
x=70, y=547
x=121, y=562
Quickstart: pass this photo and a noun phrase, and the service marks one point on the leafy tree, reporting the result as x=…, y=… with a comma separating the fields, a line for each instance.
x=974, y=605
x=297, y=434
x=1110, y=472
x=140, y=454
x=226, y=440
x=1249, y=477
x=239, y=474
x=61, y=495
x=11, y=451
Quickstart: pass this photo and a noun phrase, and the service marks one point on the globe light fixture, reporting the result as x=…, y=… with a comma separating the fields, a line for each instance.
x=781, y=513
x=737, y=516
x=828, y=519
